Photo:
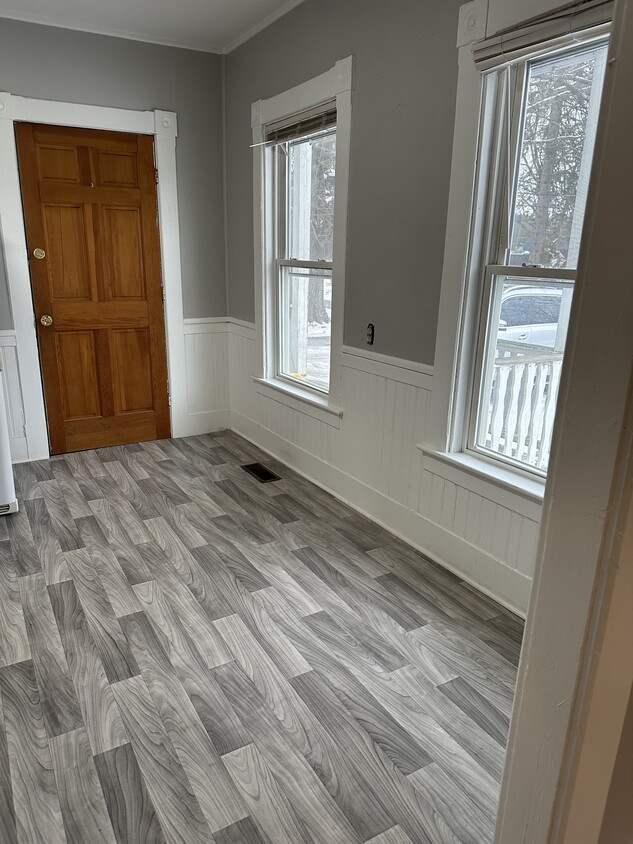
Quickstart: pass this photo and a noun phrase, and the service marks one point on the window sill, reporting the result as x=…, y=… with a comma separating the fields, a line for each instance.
x=498, y=483
x=300, y=400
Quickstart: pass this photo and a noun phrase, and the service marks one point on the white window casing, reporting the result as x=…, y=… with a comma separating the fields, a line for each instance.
x=335, y=85
x=476, y=236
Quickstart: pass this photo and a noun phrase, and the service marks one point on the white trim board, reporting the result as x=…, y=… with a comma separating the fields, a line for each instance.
x=334, y=84
x=162, y=125
x=378, y=357
x=365, y=360
x=206, y=325
x=467, y=472
x=299, y=401
x=397, y=369
x=13, y=396
x=439, y=544
x=581, y=513
x=202, y=324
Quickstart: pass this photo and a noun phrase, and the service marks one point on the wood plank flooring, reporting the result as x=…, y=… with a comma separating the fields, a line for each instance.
x=187, y=655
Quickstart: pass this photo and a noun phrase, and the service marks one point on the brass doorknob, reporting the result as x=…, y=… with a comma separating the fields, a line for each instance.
x=46, y=320
x=39, y=254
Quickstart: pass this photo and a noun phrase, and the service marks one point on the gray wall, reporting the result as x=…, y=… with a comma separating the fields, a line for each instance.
x=402, y=124
x=57, y=64
x=402, y=131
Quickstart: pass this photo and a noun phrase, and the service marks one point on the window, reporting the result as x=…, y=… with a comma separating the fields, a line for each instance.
x=305, y=188
x=540, y=129
x=301, y=142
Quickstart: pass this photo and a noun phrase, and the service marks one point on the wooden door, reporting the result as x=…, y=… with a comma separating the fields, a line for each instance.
x=89, y=202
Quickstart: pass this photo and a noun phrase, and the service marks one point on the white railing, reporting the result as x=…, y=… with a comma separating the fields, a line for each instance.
x=522, y=406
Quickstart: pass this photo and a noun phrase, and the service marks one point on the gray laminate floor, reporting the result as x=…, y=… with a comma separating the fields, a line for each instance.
x=187, y=655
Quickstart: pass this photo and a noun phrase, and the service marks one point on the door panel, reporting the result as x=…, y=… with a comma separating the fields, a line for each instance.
x=79, y=382
x=118, y=169
x=65, y=241
x=90, y=203
x=132, y=374
x=123, y=243
x=57, y=163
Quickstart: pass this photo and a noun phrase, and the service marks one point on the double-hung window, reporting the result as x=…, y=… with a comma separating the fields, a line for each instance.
x=305, y=182
x=538, y=132
x=301, y=141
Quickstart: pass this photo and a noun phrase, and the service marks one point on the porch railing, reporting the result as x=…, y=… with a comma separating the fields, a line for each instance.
x=523, y=398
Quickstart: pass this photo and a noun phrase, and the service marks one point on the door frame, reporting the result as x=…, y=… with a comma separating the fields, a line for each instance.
x=163, y=126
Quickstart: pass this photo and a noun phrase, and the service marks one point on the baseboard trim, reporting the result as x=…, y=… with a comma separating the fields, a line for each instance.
x=19, y=450
x=490, y=575
x=203, y=423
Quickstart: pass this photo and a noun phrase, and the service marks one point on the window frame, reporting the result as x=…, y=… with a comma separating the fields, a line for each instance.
x=283, y=258
x=333, y=85
x=503, y=88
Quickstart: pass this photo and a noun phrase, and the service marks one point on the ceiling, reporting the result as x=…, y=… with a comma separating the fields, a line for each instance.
x=215, y=26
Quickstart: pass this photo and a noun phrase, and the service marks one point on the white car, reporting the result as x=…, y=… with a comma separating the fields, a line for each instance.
x=530, y=315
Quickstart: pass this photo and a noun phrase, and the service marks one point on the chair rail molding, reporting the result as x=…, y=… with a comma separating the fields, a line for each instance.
x=372, y=461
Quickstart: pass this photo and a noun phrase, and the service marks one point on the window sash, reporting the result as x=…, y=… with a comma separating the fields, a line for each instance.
x=280, y=338
x=487, y=337
x=282, y=197
x=520, y=77
x=505, y=117
x=283, y=260
x=502, y=129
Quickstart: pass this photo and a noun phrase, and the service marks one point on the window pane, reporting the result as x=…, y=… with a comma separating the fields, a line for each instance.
x=311, y=176
x=523, y=311
x=305, y=326
x=526, y=332
x=559, y=127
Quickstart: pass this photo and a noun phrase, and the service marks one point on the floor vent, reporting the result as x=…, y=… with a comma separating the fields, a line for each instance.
x=261, y=472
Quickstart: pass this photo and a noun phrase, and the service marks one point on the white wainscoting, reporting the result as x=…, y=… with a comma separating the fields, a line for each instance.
x=206, y=375
x=206, y=379
x=482, y=533
x=475, y=528
x=13, y=396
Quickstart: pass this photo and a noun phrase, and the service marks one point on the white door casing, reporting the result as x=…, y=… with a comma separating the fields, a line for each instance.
x=163, y=126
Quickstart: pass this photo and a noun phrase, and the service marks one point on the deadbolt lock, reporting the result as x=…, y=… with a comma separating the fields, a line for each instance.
x=39, y=254
x=46, y=320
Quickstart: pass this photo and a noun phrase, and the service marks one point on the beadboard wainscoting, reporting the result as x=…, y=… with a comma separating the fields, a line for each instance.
x=206, y=378
x=206, y=375
x=477, y=529
x=372, y=462
x=13, y=398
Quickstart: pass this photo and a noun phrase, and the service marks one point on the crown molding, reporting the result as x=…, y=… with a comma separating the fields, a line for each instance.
x=263, y=24
x=45, y=20
x=145, y=38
